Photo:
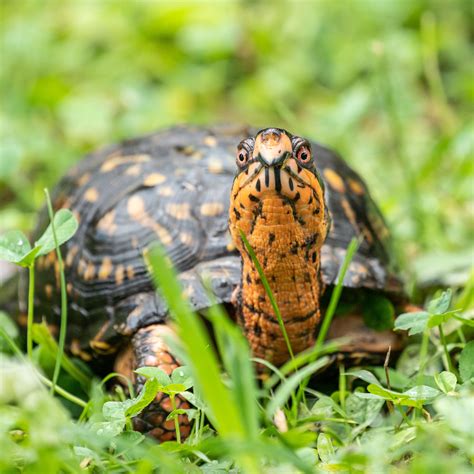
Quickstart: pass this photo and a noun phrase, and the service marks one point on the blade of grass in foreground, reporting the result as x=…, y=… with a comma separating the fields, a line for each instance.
x=62, y=328
x=336, y=293
x=236, y=357
x=333, y=302
x=223, y=414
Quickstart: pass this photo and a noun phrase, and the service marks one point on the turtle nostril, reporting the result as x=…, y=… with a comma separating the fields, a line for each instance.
x=272, y=135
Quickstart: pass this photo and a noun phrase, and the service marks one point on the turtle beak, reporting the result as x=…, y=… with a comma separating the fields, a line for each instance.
x=272, y=147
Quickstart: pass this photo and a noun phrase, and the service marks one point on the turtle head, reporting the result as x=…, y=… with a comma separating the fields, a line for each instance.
x=276, y=163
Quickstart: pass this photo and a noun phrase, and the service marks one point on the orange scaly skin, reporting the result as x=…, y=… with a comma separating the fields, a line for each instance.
x=286, y=225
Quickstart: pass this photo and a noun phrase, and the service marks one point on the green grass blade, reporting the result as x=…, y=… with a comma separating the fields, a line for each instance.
x=336, y=293
x=235, y=354
x=287, y=387
x=63, y=327
x=198, y=348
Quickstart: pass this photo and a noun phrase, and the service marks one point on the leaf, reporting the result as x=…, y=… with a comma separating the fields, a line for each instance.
x=174, y=413
x=415, y=396
x=65, y=225
x=446, y=381
x=437, y=319
x=364, y=375
x=325, y=447
x=466, y=362
x=440, y=304
x=414, y=322
x=363, y=411
x=182, y=375
x=154, y=373
x=117, y=411
x=378, y=313
x=14, y=246
x=421, y=392
x=174, y=388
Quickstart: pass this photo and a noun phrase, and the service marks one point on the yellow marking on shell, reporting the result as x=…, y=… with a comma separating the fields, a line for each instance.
x=210, y=141
x=40, y=263
x=69, y=288
x=197, y=155
x=119, y=274
x=356, y=187
x=188, y=292
x=136, y=207
x=133, y=170
x=113, y=161
x=179, y=211
x=130, y=272
x=81, y=266
x=89, y=272
x=154, y=179
x=49, y=259
x=215, y=166
x=78, y=352
x=334, y=180
x=179, y=171
x=56, y=272
x=48, y=289
x=165, y=191
x=98, y=344
x=136, y=210
x=187, y=150
x=186, y=238
x=71, y=255
x=105, y=269
x=107, y=223
x=91, y=195
x=211, y=209
x=350, y=214
x=230, y=247
x=84, y=179
x=102, y=347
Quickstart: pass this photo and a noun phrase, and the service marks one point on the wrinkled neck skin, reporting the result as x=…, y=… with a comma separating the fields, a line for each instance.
x=290, y=263
x=286, y=233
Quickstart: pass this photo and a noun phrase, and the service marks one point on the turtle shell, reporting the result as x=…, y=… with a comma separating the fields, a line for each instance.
x=173, y=186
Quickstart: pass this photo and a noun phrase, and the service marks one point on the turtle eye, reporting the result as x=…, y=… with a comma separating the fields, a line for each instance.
x=303, y=154
x=242, y=157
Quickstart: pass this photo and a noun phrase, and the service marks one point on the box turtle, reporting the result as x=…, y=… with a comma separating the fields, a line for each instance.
x=298, y=203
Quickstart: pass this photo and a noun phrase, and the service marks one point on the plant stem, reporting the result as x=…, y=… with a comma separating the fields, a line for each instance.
x=63, y=326
x=342, y=387
x=31, y=304
x=176, y=423
x=445, y=348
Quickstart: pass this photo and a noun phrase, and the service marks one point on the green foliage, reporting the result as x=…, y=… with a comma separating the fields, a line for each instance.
x=389, y=84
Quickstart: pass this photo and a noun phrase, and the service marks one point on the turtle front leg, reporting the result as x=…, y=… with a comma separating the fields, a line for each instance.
x=149, y=349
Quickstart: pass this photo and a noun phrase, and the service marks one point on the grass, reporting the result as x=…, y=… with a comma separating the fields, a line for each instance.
x=389, y=84
x=245, y=428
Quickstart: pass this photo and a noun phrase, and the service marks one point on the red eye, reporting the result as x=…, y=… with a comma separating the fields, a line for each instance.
x=303, y=154
x=242, y=157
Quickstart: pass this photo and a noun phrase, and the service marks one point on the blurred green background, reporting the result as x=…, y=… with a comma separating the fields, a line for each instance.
x=389, y=84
